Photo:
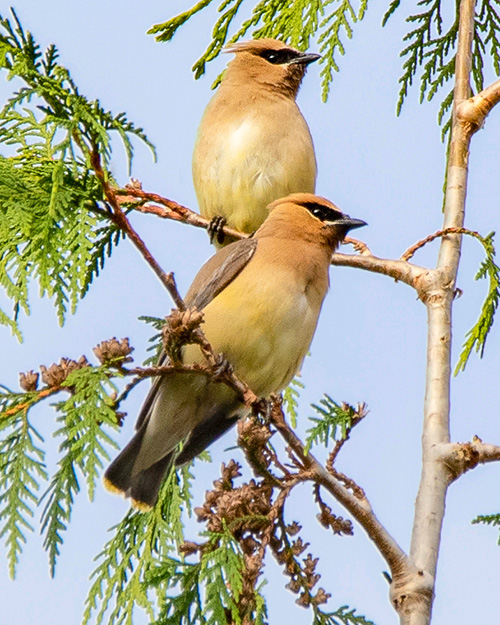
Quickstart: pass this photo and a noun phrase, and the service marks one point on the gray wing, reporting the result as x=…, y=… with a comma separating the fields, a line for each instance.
x=214, y=276
x=219, y=271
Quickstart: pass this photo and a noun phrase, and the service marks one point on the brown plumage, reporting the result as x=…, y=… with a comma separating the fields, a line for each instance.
x=261, y=299
x=253, y=144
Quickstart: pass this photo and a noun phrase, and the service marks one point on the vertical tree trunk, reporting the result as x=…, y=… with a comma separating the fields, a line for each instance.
x=437, y=289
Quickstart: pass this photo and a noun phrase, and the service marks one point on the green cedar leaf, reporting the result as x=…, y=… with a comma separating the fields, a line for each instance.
x=83, y=420
x=22, y=469
x=333, y=423
x=477, y=335
x=296, y=23
x=52, y=229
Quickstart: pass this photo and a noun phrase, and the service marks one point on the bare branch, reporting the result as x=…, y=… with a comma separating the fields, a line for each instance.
x=440, y=233
x=437, y=290
x=473, y=112
x=360, y=508
x=459, y=458
x=118, y=217
x=400, y=270
x=487, y=451
x=169, y=209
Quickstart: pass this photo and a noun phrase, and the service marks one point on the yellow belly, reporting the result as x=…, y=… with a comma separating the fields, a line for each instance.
x=265, y=333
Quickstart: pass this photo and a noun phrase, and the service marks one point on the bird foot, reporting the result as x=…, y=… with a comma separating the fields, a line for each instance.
x=216, y=229
x=222, y=369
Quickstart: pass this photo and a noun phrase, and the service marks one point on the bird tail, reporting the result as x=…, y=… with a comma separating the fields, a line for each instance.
x=141, y=487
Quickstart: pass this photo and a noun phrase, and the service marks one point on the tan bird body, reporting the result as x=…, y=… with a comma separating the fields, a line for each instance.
x=261, y=299
x=253, y=144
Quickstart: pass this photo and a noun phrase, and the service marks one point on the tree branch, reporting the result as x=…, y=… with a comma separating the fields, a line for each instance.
x=437, y=290
x=400, y=270
x=440, y=233
x=169, y=209
x=458, y=458
x=118, y=217
x=473, y=112
x=358, y=507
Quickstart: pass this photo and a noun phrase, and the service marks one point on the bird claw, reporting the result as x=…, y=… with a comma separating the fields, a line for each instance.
x=223, y=368
x=216, y=229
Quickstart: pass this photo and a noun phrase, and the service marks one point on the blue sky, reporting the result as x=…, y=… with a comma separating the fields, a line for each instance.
x=370, y=344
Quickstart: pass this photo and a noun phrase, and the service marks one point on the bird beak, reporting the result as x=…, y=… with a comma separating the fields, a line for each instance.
x=305, y=59
x=348, y=223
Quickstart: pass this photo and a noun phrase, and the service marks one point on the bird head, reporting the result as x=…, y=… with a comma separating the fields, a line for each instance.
x=316, y=215
x=268, y=62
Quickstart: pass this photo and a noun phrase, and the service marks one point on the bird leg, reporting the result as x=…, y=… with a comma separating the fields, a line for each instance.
x=221, y=369
x=216, y=229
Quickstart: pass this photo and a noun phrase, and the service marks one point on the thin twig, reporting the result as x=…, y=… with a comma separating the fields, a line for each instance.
x=41, y=394
x=400, y=270
x=169, y=209
x=360, y=509
x=119, y=218
x=440, y=233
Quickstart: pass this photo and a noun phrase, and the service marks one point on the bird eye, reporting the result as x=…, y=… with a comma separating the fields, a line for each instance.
x=272, y=57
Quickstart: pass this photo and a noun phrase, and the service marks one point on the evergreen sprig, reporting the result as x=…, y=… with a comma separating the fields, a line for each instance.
x=50, y=230
x=22, y=469
x=296, y=23
x=155, y=341
x=334, y=422
x=488, y=519
x=207, y=592
x=431, y=49
x=84, y=418
x=341, y=616
x=290, y=400
x=140, y=542
x=477, y=335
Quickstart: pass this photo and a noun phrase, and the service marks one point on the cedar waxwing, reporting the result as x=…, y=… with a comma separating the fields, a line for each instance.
x=253, y=144
x=261, y=299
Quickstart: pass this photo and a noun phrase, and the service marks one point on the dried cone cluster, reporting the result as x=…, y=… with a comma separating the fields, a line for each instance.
x=328, y=519
x=180, y=329
x=336, y=523
x=253, y=512
x=234, y=507
x=28, y=381
x=113, y=351
x=52, y=376
x=253, y=438
x=303, y=576
x=245, y=511
x=110, y=352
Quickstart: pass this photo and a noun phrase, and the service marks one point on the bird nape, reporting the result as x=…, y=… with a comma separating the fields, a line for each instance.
x=261, y=298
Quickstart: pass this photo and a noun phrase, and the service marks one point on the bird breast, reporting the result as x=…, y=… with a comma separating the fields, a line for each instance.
x=264, y=328
x=243, y=162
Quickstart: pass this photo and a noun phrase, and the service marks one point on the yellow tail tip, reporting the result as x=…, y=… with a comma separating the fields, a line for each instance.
x=137, y=505
x=109, y=486
x=141, y=506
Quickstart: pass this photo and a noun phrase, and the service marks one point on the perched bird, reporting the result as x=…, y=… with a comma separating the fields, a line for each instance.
x=261, y=299
x=253, y=144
